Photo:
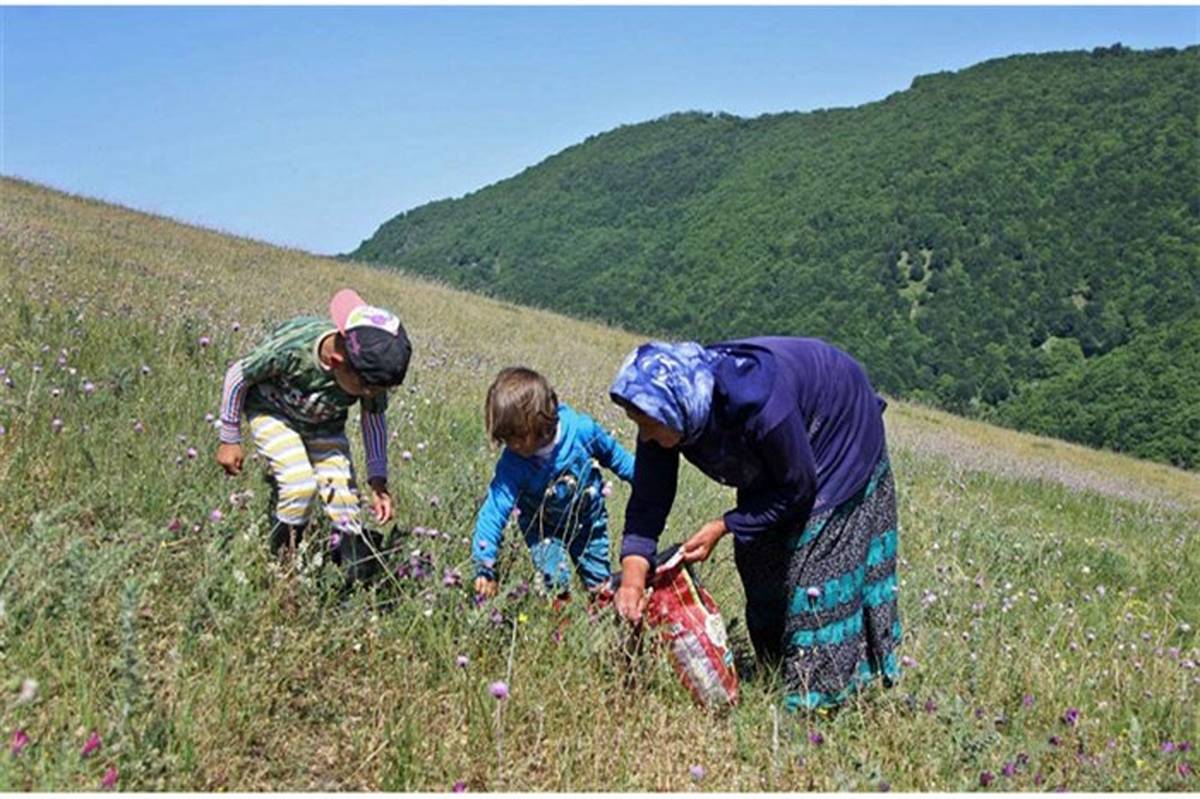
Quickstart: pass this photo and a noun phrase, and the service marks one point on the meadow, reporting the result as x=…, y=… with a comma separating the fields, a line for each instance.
x=1049, y=593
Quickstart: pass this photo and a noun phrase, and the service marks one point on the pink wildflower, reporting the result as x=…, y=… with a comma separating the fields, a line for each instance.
x=191, y=453
x=459, y=787
x=56, y=424
x=91, y=746
x=19, y=741
x=697, y=772
x=462, y=661
x=205, y=341
x=109, y=780
x=499, y=690
x=215, y=515
x=607, y=490
x=88, y=387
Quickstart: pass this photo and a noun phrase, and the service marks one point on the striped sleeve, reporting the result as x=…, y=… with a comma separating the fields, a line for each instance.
x=374, y=431
x=232, y=394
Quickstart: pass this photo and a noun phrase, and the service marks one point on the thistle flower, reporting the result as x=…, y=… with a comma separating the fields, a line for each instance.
x=109, y=780
x=462, y=661
x=813, y=592
x=1009, y=769
x=459, y=787
x=335, y=538
x=985, y=778
x=191, y=453
x=499, y=690
x=18, y=741
x=138, y=427
x=1185, y=769
x=29, y=688
x=174, y=526
x=697, y=772
x=56, y=424
x=88, y=387
x=1055, y=740
x=908, y=662
x=1071, y=716
x=145, y=370
x=205, y=341
x=235, y=327
x=1027, y=700
x=930, y=705
x=406, y=455
x=91, y=746
x=1167, y=747
x=215, y=515
x=816, y=738
x=451, y=578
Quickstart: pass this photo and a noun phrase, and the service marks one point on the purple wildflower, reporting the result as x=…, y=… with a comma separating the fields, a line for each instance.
x=451, y=577
x=1184, y=746
x=215, y=515
x=985, y=778
x=459, y=787
x=1055, y=740
x=462, y=661
x=1008, y=769
x=1038, y=778
x=1022, y=759
x=138, y=427
x=1027, y=700
x=1071, y=716
x=205, y=341
x=884, y=786
x=19, y=741
x=91, y=746
x=497, y=617
x=499, y=690
x=174, y=526
x=1185, y=769
x=434, y=501
x=1167, y=747
x=191, y=453
x=236, y=326
x=335, y=538
x=930, y=705
x=816, y=738
x=109, y=780
x=697, y=772
x=88, y=387
x=908, y=662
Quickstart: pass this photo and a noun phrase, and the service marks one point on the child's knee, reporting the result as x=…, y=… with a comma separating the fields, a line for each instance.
x=298, y=493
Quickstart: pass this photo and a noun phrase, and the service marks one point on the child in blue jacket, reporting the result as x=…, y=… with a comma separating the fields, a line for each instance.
x=549, y=473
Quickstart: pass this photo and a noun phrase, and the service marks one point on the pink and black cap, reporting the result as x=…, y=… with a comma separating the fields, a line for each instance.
x=376, y=344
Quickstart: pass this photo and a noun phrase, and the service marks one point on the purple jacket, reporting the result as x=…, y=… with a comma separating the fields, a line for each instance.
x=795, y=427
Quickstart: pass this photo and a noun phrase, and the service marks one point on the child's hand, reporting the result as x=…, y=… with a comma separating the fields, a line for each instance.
x=230, y=457
x=381, y=501
x=485, y=586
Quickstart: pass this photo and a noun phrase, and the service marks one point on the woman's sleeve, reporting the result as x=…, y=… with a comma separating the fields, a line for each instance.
x=790, y=493
x=655, y=476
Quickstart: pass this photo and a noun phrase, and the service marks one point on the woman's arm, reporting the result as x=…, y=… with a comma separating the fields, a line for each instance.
x=655, y=477
x=792, y=487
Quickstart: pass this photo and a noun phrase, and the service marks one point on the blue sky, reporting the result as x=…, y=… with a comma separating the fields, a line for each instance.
x=309, y=126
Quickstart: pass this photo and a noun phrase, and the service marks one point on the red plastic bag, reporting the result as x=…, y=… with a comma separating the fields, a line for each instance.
x=688, y=621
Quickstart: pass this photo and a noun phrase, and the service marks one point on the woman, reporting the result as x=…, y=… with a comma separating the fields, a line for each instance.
x=795, y=426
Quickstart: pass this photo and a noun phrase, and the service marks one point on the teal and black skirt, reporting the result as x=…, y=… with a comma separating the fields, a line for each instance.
x=823, y=600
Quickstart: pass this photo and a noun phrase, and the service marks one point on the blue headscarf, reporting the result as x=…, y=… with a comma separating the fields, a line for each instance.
x=672, y=383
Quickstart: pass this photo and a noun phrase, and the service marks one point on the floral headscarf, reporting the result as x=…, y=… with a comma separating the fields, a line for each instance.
x=671, y=383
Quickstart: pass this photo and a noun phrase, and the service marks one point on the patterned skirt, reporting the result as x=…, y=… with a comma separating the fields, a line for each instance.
x=823, y=600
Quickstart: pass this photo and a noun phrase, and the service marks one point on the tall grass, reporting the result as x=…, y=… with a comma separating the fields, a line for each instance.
x=1048, y=596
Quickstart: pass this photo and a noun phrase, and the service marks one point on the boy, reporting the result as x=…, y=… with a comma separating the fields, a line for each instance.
x=549, y=472
x=296, y=388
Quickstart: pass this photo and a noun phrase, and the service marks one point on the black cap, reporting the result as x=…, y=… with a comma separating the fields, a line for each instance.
x=380, y=357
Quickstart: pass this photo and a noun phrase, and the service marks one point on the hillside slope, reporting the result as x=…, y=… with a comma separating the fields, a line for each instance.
x=947, y=235
x=137, y=599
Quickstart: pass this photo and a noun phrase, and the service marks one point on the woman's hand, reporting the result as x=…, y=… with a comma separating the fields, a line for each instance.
x=700, y=545
x=381, y=501
x=485, y=587
x=630, y=599
x=230, y=457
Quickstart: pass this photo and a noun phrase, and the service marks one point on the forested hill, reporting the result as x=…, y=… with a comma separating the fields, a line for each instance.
x=984, y=240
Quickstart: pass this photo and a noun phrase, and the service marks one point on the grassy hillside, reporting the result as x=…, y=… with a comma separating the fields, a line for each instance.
x=1037, y=577
x=951, y=235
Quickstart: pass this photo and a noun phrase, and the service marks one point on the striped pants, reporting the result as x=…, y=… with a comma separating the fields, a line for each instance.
x=302, y=469
x=823, y=599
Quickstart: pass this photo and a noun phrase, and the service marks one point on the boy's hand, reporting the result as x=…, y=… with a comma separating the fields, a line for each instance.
x=630, y=599
x=381, y=501
x=230, y=457
x=700, y=545
x=485, y=586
